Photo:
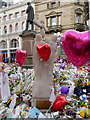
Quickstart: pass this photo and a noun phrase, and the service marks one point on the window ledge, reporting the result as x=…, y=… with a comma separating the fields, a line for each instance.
x=79, y=4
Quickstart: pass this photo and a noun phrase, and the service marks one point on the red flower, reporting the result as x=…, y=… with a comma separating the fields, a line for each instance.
x=2, y=68
x=18, y=98
x=55, y=91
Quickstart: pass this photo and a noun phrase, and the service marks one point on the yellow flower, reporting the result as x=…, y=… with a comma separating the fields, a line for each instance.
x=63, y=76
x=88, y=82
x=88, y=113
x=25, y=112
x=3, y=82
x=82, y=103
x=63, y=81
x=80, y=75
x=18, y=92
x=54, y=79
x=56, y=86
x=71, y=95
x=21, y=86
x=9, y=100
x=72, y=105
x=82, y=113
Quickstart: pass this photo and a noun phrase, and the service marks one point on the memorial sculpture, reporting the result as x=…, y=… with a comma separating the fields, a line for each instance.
x=30, y=17
x=43, y=83
x=28, y=35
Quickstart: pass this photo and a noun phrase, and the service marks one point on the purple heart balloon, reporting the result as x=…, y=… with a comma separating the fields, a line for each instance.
x=64, y=89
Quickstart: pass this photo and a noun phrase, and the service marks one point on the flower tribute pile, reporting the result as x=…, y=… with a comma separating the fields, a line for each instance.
x=69, y=97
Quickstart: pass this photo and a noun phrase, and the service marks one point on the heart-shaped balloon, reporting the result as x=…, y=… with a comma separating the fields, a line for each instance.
x=59, y=103
x=44, y=51
x=1, y=57
x=21, y=56
x=76, y=46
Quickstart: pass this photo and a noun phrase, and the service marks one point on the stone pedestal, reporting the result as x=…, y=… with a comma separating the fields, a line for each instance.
x=41, y=104
x=27, y=44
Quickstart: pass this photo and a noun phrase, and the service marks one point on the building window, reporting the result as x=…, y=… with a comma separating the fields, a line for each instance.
x=47, y=6
x=12, y=55
x=77, y=1
x=0, y=30
x=0, y=19
x=5, y=18
x=14, y=43
x=23, y=26
x=53, y=5
x=16, y=27
x=10, y=28
x=78, y=18
x=5, y=30
x=3, y=45
x=59, y=4
x=11, y=16
x=17, y=15
x=59, y=20
x=53, y=21
x=23, y=13
x=48, y=22
x=62, y=51
x=4, y=4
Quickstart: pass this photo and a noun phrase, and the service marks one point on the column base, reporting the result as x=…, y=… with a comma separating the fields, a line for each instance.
x=42, y=104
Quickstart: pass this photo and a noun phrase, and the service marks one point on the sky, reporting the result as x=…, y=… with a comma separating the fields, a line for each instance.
x=15, y=1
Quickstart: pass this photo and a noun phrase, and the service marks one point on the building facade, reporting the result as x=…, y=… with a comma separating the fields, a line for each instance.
x=9, y=2
x=61, y=15
x=58, y=16
x=12, y=23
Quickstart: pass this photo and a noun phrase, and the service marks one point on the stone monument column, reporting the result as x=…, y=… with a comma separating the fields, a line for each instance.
x=27, y=44
x=28, y=36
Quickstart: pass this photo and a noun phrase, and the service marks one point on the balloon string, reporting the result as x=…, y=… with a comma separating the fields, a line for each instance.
x=21, y=87
x=50, y=106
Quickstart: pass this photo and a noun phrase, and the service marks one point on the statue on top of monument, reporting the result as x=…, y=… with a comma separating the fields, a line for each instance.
x=30, y=16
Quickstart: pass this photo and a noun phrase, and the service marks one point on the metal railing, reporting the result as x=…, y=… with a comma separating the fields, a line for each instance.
x=80, y=26
x=54, y=27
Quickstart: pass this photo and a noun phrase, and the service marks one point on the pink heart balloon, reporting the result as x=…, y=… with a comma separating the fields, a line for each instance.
x=21, y=56
x=77, y=46
x=1, y=57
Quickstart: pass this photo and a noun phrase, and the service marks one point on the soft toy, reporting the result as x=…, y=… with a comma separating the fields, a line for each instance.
x=26, y=99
